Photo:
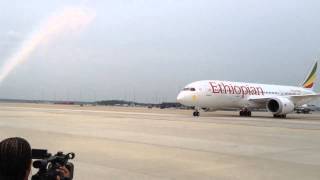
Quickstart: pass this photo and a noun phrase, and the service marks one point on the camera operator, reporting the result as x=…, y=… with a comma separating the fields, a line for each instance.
x=16, y=160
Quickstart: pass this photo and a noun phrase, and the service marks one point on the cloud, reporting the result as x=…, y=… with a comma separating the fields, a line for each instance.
x=12, y=34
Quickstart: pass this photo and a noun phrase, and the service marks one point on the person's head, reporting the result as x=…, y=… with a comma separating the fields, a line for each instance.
x=15, y=159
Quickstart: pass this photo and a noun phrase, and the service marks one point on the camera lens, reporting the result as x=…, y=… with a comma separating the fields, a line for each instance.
x=39, y=164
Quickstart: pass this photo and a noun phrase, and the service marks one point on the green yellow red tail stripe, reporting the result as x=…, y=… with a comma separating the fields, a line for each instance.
x=309, y=82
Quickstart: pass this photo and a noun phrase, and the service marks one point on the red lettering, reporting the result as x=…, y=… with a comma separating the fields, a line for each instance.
x=248, y=90
x=244, y=91
x=237, y=89
x=220, y=88
x=233, y=89
x=260, y=90
x=253, y=91
x=214, y=88
x=227, y=89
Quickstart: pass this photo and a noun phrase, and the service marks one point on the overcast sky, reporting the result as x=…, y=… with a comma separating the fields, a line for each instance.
x=148, y=50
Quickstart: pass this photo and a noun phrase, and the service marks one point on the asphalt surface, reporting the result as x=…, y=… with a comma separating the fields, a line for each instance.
x=140, y=143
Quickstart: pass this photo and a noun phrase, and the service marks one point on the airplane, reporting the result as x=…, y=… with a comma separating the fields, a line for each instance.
x=212, y=95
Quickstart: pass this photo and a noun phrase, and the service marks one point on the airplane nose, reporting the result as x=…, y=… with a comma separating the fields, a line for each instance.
x=181, y=98
x=187, y=99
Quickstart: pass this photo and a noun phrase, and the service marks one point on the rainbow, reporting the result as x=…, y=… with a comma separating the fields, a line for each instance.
x=70, y=19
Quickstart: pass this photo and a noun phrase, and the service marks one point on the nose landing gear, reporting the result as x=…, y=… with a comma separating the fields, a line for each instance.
x=196, y=113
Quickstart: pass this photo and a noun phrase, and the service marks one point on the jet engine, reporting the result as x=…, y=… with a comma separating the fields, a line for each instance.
x=280, y=106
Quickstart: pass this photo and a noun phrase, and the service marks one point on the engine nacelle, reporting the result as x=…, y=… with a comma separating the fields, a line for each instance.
x=280, y=106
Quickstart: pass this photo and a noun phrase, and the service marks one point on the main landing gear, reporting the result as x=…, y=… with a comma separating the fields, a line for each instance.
x=280, y=116
x=245, y=112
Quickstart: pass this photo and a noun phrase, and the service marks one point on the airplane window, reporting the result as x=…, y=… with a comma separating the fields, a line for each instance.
x=189, y=89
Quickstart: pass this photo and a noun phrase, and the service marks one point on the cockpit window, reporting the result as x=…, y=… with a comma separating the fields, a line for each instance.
x=189, y=89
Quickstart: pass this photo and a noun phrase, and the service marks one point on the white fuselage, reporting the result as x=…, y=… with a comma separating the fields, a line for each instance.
x=215, y=94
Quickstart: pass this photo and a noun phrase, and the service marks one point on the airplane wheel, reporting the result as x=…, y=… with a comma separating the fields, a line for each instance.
x=283, y=116
x=196, y=114
x=245, y=113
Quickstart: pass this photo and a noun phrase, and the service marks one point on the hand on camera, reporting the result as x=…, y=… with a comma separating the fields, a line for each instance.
x=65, y=173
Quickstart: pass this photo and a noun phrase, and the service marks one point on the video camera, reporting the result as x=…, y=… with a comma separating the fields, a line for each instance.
x=48, y=164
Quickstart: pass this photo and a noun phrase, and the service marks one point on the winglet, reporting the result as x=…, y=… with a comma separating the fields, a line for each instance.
x=311, y=78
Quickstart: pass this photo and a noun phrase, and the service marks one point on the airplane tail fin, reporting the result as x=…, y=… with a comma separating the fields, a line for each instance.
x=311, y=78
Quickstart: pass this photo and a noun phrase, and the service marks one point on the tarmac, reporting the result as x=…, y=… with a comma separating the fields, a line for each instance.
x=127, y=143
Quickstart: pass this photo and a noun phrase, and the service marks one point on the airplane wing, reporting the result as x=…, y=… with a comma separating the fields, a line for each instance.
x=297, y=99
x=302, y=99
x=317, y=95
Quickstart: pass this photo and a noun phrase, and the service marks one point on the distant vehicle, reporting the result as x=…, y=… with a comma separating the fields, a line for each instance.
x=169, y=105
x=65, y=103
x=279, y=100
x=305, y=109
